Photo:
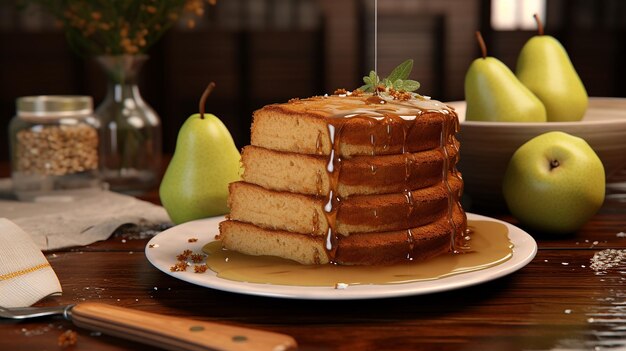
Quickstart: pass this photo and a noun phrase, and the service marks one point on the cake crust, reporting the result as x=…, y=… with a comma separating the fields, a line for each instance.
x=359, y=175
x=379, y=248
x=302, y=126
x=364, y=213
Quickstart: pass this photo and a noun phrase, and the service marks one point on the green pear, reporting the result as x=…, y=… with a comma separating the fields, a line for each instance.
x=205, y=161
x=494, y=94
x=554, y=183
x=545, y=68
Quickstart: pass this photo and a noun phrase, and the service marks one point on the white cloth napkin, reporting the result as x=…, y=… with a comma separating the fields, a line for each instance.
x=80, y=217
x=25, y=275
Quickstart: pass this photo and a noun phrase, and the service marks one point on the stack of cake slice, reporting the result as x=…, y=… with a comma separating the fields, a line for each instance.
x=349, y=179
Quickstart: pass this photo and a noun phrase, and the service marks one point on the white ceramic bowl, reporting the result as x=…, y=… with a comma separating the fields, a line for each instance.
x=486, y=147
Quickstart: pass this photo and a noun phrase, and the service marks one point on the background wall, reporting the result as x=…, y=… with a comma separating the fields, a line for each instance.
x=265, y=51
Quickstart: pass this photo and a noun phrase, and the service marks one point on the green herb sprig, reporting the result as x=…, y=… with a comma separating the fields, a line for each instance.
x=397, y=79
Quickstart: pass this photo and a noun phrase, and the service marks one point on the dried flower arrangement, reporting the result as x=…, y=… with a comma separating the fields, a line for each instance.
x=103, y=27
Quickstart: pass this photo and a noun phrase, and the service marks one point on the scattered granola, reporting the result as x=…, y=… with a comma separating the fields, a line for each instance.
x=357, y=92
x=197, y=258
x=180, y=266
x=340, y=92
x=200, y=268
x=192, y=240
x=184, y=255
x=67, y=338
x=400, y=94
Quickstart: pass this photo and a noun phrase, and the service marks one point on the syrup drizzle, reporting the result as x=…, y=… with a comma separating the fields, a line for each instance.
x=318, y=144
x=316, y=223
x=376, y=40
x=490, y=247
x=409, y=159
x=319, y=183
x=372, y=140
x=409, y=233
x=462, y=236
x=444, y=178
x=386, y=119
x=333, y=201
x=371, y=106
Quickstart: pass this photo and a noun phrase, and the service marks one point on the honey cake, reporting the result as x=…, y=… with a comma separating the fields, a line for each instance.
x=311, y=178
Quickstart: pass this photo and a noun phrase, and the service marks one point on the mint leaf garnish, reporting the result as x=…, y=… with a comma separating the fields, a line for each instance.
x=397, y=79
x=402, y=71
x=409, y=85
x=371, y=82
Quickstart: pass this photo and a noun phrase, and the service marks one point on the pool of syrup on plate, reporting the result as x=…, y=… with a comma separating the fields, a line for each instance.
x=490, y=246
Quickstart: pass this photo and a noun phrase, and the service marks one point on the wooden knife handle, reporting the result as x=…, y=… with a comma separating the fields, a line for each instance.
x=175, y=333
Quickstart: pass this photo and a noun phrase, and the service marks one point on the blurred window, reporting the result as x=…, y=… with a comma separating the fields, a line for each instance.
x=516, y=14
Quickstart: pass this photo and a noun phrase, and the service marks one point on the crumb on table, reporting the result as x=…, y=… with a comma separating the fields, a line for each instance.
x=67, y=338
x=341, y=286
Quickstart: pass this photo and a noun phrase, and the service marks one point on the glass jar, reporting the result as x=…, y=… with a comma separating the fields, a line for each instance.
x=54, y=145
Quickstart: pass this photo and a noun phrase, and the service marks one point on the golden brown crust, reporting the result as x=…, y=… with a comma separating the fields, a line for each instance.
x=302, y=126
x=363, y=213
x=357, y=249
x=252, y=240
x=359, y=175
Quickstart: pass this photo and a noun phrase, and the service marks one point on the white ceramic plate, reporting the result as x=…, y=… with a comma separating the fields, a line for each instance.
x=169, y=243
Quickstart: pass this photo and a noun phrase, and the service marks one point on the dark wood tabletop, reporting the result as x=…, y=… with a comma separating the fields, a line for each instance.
x=555, y=302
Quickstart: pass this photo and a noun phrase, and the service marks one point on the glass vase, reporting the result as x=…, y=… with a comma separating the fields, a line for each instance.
x=130, y=130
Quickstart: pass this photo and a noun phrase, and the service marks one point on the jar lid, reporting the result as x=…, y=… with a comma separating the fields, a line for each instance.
x=54, y=106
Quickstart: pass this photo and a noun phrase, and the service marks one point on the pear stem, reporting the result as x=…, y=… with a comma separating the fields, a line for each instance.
x=481, y=43
x=205, y=95
x=539, y=24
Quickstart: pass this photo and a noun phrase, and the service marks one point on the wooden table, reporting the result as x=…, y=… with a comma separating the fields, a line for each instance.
x=556, y=302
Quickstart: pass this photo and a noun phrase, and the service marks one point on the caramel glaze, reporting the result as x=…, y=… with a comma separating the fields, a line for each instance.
x=393, y=127
x=368, y=131
x=490, y=247
x=360, y=174
x=356, y=213
x=374, y=248
x=417, y=170
x=391, y=135
x=408, y=209
x=397, y=246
